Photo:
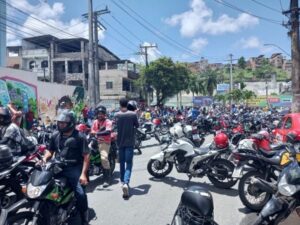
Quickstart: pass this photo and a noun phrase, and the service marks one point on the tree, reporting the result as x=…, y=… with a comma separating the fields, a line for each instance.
x=210, y=78
x=236, y=95
x=242, y=63
x=264, y=70
x=166, y=78
x=247, y=95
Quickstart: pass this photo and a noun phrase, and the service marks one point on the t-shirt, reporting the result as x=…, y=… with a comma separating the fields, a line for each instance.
x=126, y=124
x=69, y=148
x=98, y=125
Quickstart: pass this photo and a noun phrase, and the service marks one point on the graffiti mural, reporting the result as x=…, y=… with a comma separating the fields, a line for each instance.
x=4, y=96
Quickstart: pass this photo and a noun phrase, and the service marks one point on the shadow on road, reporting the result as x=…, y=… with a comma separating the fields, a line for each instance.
x=96, y=183
x=140, y=190
x=149, y=146
x=185, y=184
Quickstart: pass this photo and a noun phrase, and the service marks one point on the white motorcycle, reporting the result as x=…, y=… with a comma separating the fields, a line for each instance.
x=195, y=162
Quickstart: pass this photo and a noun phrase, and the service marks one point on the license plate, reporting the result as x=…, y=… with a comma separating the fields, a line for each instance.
x=196, y=136
x=237, y=173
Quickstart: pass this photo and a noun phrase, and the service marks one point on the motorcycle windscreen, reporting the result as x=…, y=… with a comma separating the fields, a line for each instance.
x=39, y=178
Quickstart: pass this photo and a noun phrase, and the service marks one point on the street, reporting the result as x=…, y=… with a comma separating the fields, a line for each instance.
x=153, y=202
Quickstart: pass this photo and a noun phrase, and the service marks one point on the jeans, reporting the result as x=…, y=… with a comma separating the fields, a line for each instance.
x=126, y=161
x=73, y=174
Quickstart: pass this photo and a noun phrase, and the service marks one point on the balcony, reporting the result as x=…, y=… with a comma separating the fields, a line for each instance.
x=31, y=53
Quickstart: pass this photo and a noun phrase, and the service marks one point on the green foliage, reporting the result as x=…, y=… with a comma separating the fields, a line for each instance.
x=9, y=86
x=242, y=63
x=166, y=78
x=78, y=108
x=18, y=91
x=33, y=105
x=265, y=70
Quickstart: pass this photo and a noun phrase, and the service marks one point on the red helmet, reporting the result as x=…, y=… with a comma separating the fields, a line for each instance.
x=82, y=128
x=265, y=134
x=221, y=140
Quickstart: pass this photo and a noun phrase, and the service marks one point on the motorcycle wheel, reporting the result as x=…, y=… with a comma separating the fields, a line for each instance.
x=256, y=199
x=158, y=169
x=22, y=218
x=221, y=175
x=164, y=130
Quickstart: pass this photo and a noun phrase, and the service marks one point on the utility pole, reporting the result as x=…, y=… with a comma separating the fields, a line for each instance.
x=91, y=77
x=293, y=24
x=231, y=78
x=144, y=51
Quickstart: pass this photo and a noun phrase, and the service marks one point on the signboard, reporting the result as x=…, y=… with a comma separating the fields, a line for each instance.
x=202, y=101
x=274, y=101
x=222, y=88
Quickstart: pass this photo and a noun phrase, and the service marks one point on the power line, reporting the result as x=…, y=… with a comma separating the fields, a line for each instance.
x=266, y=6
x=280, y=2
x=125, y=27
x=153, y=32
x=251, y=14
x=41, y=21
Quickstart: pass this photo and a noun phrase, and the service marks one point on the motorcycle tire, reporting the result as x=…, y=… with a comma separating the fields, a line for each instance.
x=22, y=216
x=246, y=178
x=217, y=182
x=164, y=130
x=160, y=166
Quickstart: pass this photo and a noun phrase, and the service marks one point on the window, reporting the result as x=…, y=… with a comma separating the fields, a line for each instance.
x=44, y=64
x=31, y=65
x=109, y=85
x=288, y=123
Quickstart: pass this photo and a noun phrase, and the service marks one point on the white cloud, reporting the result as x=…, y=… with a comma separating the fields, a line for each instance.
x=50, y=14
x=198, y=44
x=153, y=54
x=199, y=19
x=254, y=43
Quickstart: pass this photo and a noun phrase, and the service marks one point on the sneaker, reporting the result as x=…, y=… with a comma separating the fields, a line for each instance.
x=125, y=190
x=105, y=184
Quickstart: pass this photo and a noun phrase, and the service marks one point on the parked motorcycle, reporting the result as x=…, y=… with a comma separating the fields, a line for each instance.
x=52, y=200
x=196, y=207
x=196, y=162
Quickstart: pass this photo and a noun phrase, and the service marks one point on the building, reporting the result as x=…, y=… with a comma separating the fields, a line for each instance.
x=60, y=60
x=276, y=60
x=3, y=33
x=255, y=62
x=199, y=66
x=117, y=81
x=287, y=67
x=14, y=57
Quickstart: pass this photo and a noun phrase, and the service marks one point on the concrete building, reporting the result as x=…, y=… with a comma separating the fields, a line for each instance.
x=116, y=82
x=255, y=62
x=276, y=60
x=3, y=33
x=14, y=57
x=287, y=67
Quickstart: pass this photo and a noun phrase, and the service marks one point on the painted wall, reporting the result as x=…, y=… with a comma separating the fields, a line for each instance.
x=24, y=88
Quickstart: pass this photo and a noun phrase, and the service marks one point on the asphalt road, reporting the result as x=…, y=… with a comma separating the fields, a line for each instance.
x=153, y=201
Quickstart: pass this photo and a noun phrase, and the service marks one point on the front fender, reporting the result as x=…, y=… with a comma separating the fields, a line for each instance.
x=273, y=206
x=159, y=156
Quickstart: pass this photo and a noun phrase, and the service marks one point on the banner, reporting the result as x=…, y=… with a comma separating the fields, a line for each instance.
x=273, y=101
x=202, y=101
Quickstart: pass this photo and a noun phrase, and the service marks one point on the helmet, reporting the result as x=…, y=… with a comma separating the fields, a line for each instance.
x=221, y=140
x=66, y=116
x=6, y=157
x=177, y=131
x=265, y=134
x=5, y=116
x=197, y=206
x=100, y=109
x=132, y=105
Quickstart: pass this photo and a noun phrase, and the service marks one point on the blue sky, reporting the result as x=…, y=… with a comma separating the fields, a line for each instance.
x=202, y=28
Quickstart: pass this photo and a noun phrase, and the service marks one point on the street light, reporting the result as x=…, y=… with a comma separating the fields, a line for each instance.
x=279, y=48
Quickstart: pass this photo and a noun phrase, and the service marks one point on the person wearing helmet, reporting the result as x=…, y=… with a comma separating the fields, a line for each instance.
x=127, y=122
x=102, y=127
x=69, y=144
x=10, y=133
x=132, y=106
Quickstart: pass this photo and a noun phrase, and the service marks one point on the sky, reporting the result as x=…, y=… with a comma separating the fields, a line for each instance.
x=184, y=30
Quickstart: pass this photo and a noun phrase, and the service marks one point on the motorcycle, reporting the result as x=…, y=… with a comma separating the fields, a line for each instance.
x=196, y=162
x=196, y=207
x=52, y=201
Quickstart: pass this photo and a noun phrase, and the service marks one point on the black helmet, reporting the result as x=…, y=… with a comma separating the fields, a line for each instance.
x=197, y=205
x=132, y=105
x=6, y=157
x=100, y=109
x=5, y=116
x=66, y=116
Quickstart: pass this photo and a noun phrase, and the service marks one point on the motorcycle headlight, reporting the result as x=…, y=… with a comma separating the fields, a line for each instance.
x=35, y=192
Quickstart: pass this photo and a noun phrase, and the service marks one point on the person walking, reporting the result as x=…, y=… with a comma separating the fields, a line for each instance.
x=126, y=123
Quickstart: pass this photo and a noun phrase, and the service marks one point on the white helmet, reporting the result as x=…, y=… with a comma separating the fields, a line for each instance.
x=177, y=131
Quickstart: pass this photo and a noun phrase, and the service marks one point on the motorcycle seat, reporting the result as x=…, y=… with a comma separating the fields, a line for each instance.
x=201, y=150
x=268, y=154
x=277, y=147
x=274, y=160
x=62, y=181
